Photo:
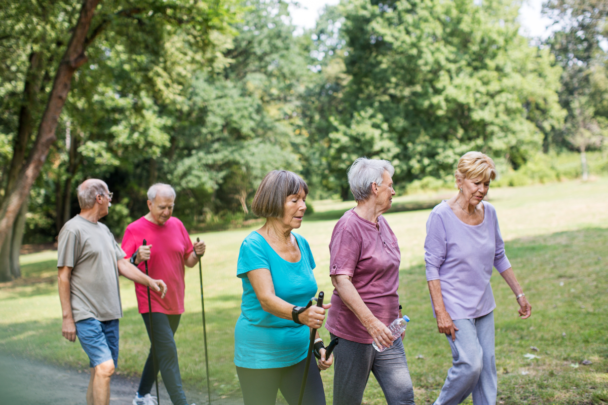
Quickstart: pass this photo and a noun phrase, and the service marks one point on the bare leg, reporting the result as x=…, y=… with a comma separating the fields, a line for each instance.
x=90, y=389
x=101, y=383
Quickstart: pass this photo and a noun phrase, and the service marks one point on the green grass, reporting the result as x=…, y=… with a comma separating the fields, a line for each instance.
x=557, y=240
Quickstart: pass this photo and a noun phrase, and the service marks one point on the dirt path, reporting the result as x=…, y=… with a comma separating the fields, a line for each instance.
x=27, y=382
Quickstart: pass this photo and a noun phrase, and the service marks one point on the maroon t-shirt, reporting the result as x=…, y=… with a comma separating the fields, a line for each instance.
x=370, y=254
x=171, y=245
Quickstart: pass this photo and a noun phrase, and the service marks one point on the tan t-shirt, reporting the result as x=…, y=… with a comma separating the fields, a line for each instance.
x=90, y=249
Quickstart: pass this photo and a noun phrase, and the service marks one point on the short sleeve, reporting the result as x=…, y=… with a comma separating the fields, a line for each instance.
x=66, y=249
x=435, y=246
x=128, y=244
x=501, y=262
x=188, y=247
x=344, y=252
x=251, y=257
x=120, y=254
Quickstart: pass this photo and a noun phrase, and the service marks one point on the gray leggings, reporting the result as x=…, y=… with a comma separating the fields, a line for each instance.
x=354, y=361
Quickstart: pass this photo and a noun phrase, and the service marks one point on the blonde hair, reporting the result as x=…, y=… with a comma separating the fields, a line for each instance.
x=269, y=200
x=476, y=165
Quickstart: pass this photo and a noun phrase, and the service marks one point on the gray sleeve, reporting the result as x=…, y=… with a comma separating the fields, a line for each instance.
x=67, y=249
x=120, y=254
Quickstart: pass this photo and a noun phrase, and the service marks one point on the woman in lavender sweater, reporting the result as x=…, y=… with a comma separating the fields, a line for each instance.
x=462, y=245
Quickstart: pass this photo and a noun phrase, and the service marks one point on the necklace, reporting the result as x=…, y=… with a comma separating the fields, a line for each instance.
x=468, y=213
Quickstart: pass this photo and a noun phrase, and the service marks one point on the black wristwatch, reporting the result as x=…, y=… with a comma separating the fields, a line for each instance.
x=132, y=260
x=295, y=312
x=400, y=307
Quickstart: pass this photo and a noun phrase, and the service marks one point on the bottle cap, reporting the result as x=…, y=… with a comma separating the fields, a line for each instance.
x=406, y=318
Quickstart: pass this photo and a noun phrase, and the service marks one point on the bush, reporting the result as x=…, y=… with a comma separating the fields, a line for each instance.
x=427, y=184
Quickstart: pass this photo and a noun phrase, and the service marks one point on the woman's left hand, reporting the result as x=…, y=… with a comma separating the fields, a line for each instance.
x=325, y=364
x=525, y=309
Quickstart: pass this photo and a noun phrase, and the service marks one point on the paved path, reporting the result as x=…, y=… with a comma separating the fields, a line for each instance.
x=27, y=382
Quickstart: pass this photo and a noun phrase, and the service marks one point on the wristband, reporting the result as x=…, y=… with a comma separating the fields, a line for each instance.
x=132, y=259
x=520, y=295
x=400, y=307
x=295, y=312
x=194, y=253
x=318, y=346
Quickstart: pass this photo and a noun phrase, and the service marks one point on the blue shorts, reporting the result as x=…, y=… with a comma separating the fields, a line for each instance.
x=99, y=339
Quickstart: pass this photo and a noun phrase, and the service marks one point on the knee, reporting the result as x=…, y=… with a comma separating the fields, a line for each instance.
x=105, y=369
x=475, y=365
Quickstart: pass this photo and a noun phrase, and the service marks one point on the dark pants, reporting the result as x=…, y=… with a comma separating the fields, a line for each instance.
x=166, y=358
x=353, y=363
x=260, y=386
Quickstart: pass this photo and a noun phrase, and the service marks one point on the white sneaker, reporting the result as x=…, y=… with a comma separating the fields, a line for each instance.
x=145, y=400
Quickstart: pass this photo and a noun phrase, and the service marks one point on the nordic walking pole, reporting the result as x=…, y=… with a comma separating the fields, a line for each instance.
x=200, y=273
x=310, y=350
x=152, y=333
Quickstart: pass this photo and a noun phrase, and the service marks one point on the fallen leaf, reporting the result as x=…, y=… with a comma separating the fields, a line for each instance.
x=586, y=362
x=524, y=372
x=531, y=356
x=574, y=365
x=420, y=356
x=534, y=348
x=563, y=334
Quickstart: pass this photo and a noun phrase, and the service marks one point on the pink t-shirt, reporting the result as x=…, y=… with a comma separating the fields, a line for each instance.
x=171, y=245
x=370, y=254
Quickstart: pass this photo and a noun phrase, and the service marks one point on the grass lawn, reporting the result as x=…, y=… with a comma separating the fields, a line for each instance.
x=557, y=241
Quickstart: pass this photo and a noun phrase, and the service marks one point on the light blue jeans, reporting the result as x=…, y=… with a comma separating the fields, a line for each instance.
x=473, y=364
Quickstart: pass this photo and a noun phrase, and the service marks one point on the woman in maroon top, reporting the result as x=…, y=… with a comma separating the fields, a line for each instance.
x=364, y=268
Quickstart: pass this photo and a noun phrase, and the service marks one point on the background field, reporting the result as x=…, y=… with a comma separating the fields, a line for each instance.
x=557, y=240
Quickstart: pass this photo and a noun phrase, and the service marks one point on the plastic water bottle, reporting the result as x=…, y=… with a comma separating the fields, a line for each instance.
x=397, y=327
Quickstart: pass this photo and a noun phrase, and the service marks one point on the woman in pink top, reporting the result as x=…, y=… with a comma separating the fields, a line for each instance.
x=364, y=268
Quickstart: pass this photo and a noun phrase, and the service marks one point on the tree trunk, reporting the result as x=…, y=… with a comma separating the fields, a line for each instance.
x=73, y=59
x=58, y=202
x=31, y=88
x=17, y=239
x=584, y=165
x=12, y=241
x=5, y=257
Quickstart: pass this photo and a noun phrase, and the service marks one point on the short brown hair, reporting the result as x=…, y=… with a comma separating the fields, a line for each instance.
x=476, y=165
x=270, y=198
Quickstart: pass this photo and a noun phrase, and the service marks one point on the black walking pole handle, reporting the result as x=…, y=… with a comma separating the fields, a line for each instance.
x=331, y=347
x=145, y=261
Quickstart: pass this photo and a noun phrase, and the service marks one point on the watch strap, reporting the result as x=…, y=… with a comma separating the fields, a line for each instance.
x=133, y=257
x=295, y=312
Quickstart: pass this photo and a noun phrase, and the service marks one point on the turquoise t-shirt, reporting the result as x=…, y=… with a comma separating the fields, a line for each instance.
x=262, y=340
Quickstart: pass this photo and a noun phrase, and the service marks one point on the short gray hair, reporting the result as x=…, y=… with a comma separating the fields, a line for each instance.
x=160, y=189
x=88, y=191
x=269, y=200
x=364, y=172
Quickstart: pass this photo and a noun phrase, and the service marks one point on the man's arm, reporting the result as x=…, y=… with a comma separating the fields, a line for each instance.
x=197, y=253
x=134, y=274
x=68, y=327
x=350, y=296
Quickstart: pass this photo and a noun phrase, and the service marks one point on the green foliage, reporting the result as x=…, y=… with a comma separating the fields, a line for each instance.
x=431, y=80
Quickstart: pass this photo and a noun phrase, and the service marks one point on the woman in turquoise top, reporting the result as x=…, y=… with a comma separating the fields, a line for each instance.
x=275, y=266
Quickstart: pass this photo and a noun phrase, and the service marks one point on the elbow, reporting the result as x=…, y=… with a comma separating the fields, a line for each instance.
x=265, y=303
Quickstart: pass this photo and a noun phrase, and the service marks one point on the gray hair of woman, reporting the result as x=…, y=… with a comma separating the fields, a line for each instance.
x=364, y=172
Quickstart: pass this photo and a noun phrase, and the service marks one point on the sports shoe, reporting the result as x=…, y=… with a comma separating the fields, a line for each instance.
x=145, y=400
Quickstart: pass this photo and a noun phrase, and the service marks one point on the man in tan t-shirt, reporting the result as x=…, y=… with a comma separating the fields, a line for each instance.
x=89, y=262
